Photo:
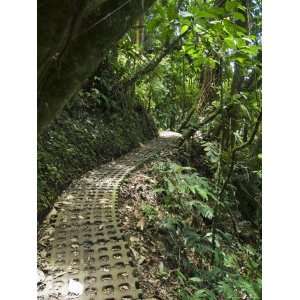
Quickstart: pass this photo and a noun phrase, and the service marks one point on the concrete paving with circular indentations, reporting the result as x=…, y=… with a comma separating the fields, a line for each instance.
x=82, y=249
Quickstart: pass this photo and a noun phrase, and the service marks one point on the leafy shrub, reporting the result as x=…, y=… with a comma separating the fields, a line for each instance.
x=210, y=266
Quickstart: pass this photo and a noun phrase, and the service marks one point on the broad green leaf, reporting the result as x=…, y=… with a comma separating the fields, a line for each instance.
x=252, y=50
x=233, y=29
x=230, y=42
x=231, y=5
x=205, y=14
x=245, y=111
x=202, y=192
x=184, y=28
x=239, y=16
x=207, y=211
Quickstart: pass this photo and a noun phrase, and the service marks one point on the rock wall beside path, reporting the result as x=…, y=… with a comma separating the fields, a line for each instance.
x=81, y=138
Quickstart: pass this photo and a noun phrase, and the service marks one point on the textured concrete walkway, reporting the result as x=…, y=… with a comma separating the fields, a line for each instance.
x=82, y=253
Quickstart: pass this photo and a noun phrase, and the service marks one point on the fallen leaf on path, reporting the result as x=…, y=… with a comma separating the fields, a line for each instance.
x=66, y=202
x=141, y=223
x=141, y=260
x=52, y=213
x=161, y=267
x=41, y=276
x=43, y=253
x=134, y=239
x=136, y=255
x=59, y=274
x=75, y=288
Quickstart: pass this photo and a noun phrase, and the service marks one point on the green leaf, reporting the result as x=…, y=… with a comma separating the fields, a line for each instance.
x=230, y=42
x=240, y=42
x=240, y=59
x=245, y=111
x=239, y=16
x=205, y=14
x=227, y=290
x=184, y=28
x=217, y=11
x=231, y=5
x=171, y=187
x=252, y=50
x=195, y=279
x=203, y=193
x=233, y=29
x=249, y=288
x=207, y=211
x=204, y=294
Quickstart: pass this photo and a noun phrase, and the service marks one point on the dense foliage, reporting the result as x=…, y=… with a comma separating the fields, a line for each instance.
x=215, y=252
x=198, y=71
x=199, y=67
x=215, y=64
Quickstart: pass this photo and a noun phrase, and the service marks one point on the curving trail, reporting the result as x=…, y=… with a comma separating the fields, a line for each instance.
x=82, y=251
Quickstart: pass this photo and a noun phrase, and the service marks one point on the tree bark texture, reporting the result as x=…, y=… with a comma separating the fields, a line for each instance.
x=73, y=36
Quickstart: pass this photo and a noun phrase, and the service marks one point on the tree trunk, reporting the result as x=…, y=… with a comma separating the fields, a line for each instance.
x=73, y=36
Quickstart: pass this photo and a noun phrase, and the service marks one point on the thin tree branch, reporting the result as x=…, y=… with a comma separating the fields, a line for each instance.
x=102, y=19
x=154, y=63
x=247, y=143
x=187, y=119
x=193, y=129
x=239, y=148
x=210, y=118
x=233, y=155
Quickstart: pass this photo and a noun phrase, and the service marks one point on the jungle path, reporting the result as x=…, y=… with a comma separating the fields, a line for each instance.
x=82, y=251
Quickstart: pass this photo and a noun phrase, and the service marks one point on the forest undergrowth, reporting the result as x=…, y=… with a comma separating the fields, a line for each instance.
x=189, y=244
